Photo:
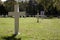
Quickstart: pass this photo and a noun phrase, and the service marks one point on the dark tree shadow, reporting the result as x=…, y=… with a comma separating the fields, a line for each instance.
x=13, y=37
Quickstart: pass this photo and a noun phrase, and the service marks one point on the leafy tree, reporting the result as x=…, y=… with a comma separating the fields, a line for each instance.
x=10, y=5
x=32, y=8
x=22, y=6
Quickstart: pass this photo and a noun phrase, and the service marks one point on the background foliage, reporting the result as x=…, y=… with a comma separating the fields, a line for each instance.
x=50, y=6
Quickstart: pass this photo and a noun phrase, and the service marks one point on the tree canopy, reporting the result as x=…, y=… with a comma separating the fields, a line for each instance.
x=48, y=5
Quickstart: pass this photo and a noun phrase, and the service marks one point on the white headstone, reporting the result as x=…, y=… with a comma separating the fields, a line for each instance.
x=42, y=14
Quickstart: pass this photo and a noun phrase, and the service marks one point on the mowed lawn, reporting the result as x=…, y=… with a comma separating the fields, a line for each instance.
x=46, y=29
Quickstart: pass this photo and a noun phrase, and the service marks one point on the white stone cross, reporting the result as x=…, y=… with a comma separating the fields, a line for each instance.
x=16, y=17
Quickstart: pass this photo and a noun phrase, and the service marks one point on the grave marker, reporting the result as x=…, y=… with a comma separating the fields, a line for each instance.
x=16, y=8
x=37, y=17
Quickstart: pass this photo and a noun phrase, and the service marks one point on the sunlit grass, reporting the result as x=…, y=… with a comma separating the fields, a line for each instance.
x=46, y=29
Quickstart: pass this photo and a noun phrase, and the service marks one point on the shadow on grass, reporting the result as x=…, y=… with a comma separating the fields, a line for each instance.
x=13, y=37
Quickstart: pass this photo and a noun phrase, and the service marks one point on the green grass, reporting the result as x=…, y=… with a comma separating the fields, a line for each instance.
x=46, y=29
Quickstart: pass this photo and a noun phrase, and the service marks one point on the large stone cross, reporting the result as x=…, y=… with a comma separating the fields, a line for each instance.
x=16, y=17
